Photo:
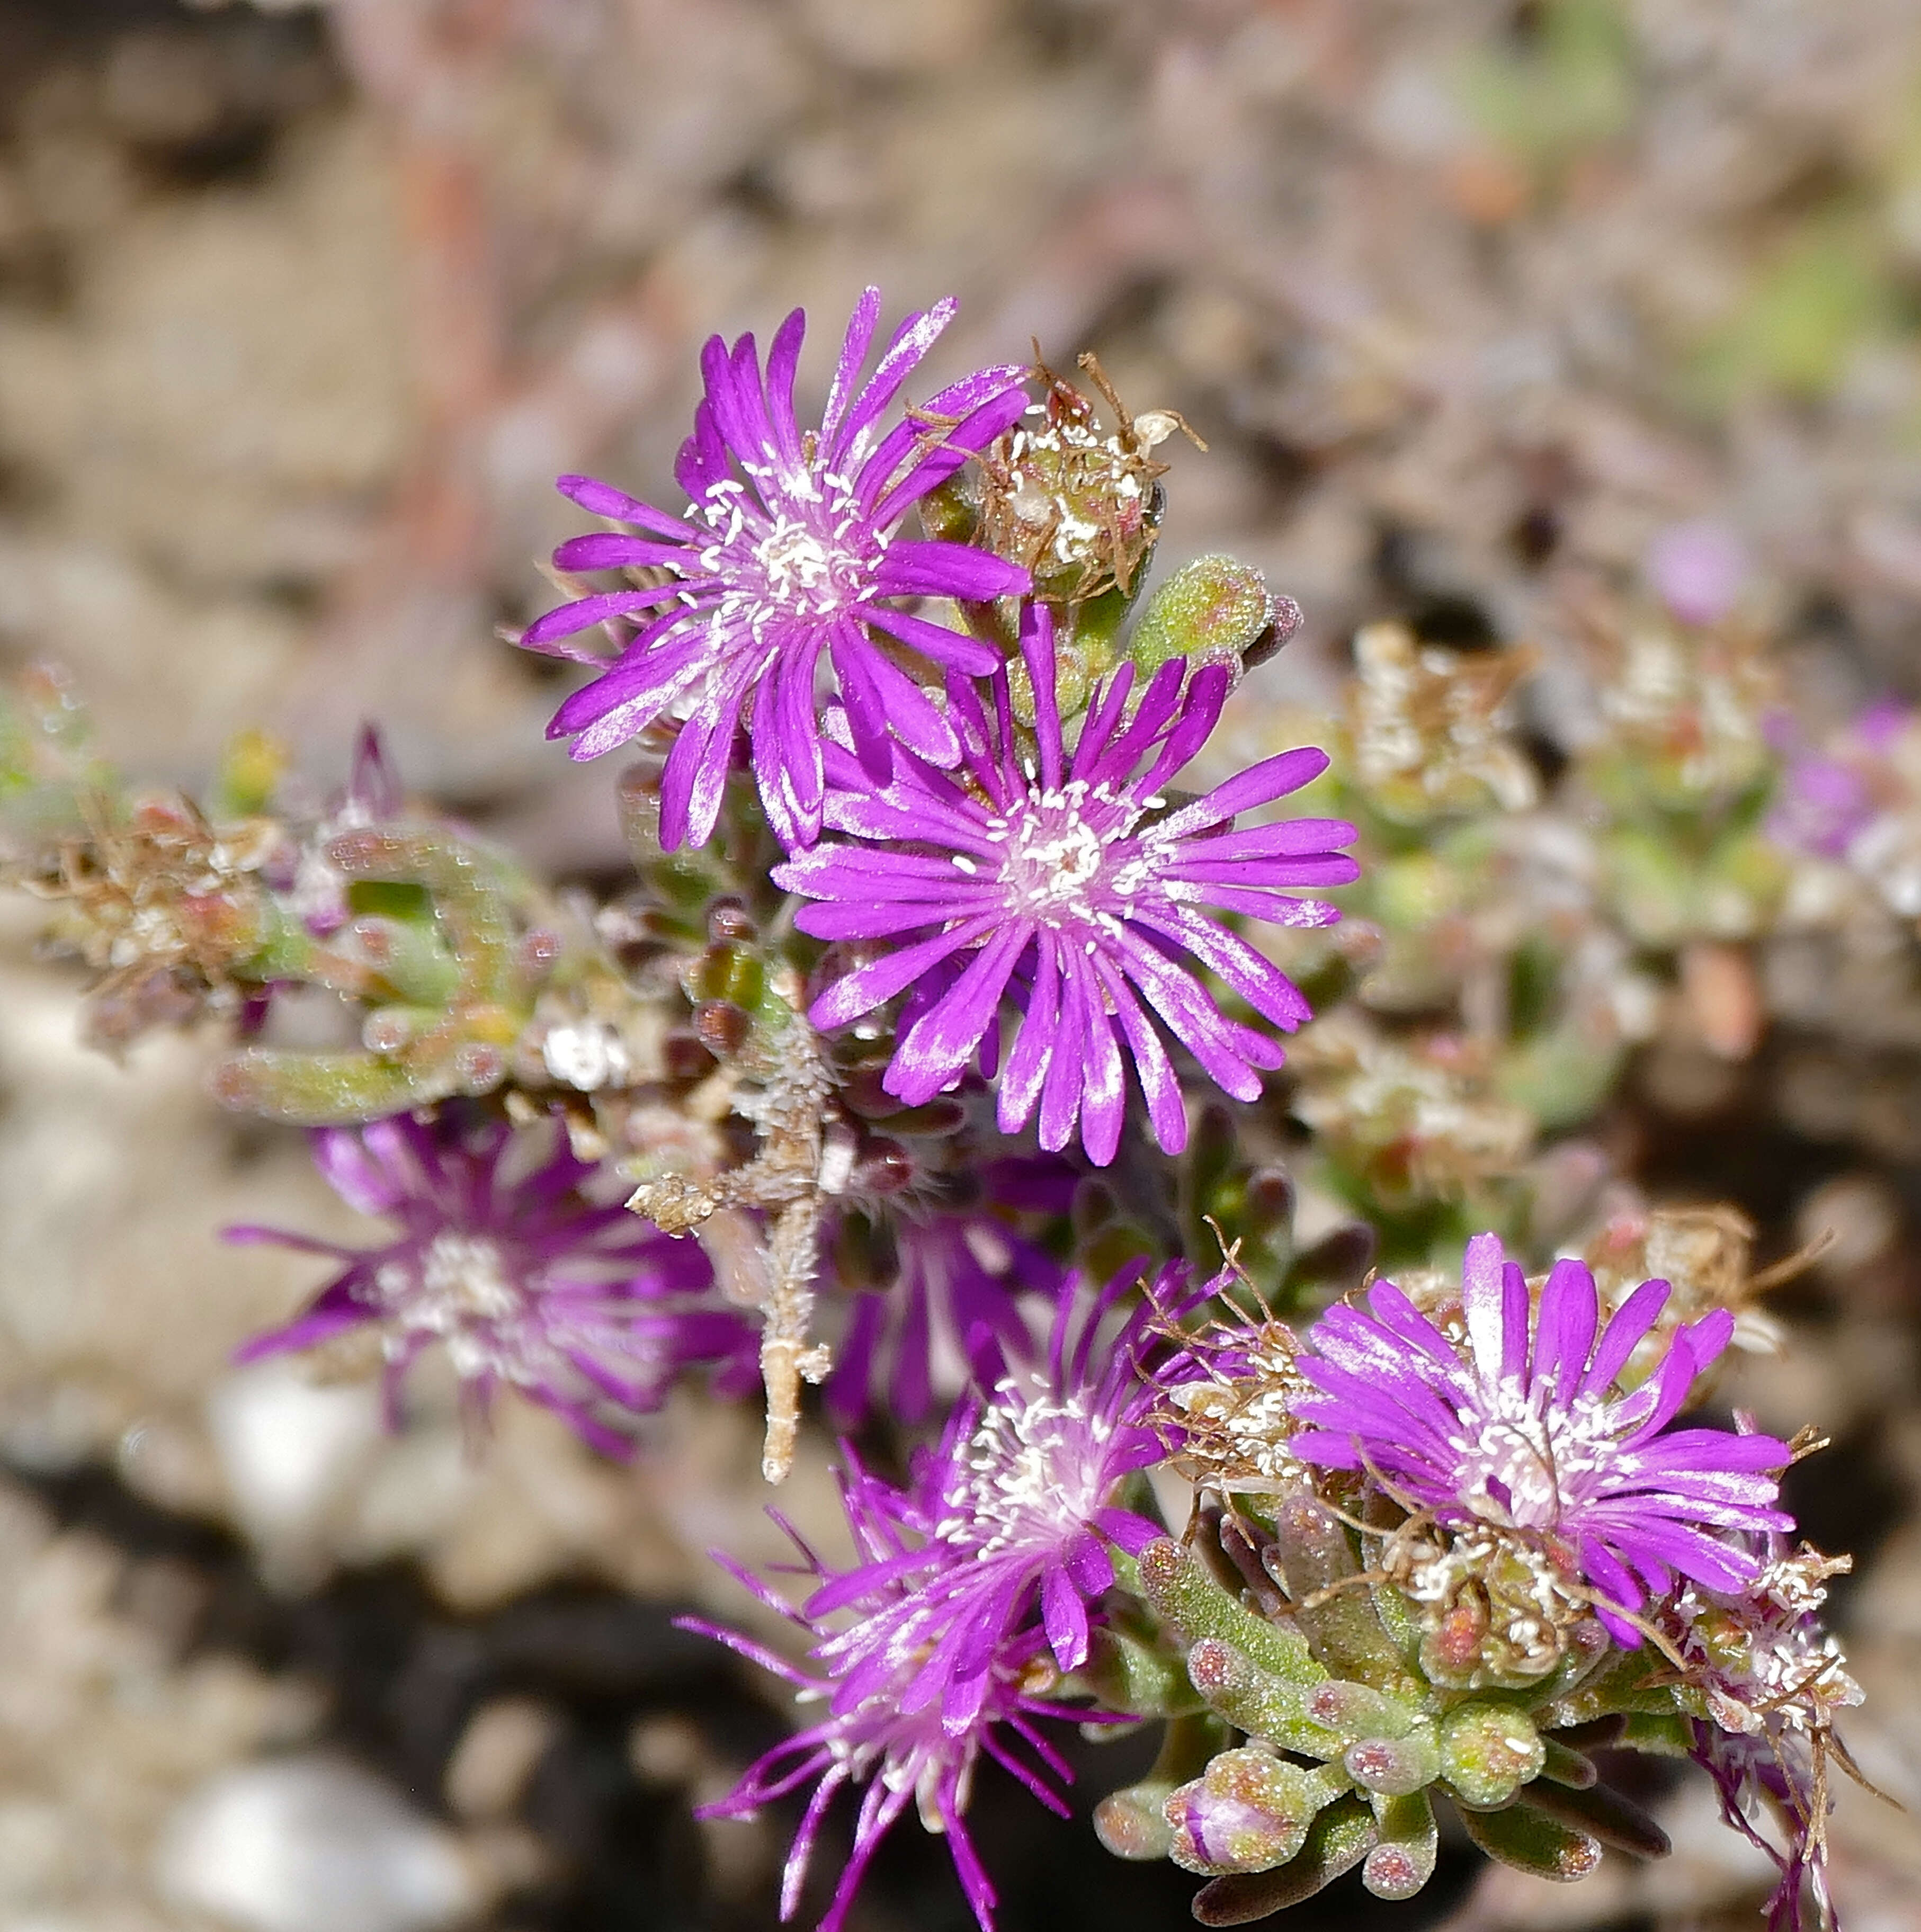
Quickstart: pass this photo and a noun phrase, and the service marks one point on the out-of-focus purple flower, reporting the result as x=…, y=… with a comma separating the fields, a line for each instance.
x=1826, y=800
x=1698, y=570
x=1822, y=805
x=899, y=1756
x=1073, y=879
x=760, y=577
x=961, y=1273
x=1016, y=1508
x=1540, y=1441
x=499, y=1259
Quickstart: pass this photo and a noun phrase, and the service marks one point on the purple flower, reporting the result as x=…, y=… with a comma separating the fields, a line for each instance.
x=1698, y=570
x=1072, y=879
x=1544, y=1443
x=584, y=1308
x=1016, y=1508
x=1826, y=800
x=871, y=1740
x=760, y=577
x=961, y=1270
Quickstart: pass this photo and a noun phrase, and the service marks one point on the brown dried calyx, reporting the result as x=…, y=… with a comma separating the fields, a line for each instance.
x=161, y=903
x=1079, y=509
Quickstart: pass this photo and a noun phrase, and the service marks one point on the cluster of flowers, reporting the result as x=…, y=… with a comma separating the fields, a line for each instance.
x=1441, y=1547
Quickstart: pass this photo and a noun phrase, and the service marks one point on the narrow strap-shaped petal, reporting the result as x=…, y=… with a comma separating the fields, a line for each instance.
x=867, y=987
x=948, y=649
x=1103, y=1081
x=1483, y=1303
x=602, y=499
x=860, y=326
x=1260, y=784
x=1161, y=1087
x=548, y=632
x=938, y=1046
x=1034, y=1040
x=849, y=442
x=1624, y=1333
x=1037, y=654
x=1564, y=1331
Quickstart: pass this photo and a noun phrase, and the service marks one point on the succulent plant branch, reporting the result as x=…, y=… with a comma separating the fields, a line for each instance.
x=937, y=1047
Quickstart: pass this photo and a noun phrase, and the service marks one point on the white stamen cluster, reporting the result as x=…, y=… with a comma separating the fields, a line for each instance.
x=813, y=558
x=1055, y=853
x=454, y=1288
x=1235, y=1429
x=1538, y=1453
x=1764, y=1655
x=1034, y=1473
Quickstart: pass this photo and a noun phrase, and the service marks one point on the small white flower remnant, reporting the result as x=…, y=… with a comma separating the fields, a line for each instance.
x=1234, y=1423
x=1762, y=1659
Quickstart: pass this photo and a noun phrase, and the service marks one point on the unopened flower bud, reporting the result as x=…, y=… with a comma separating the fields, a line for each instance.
x=1248, y=1811
x=1210, y=611
x=1489, y=1751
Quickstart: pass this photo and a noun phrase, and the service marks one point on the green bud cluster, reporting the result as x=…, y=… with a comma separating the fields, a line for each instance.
x=1318, y=1740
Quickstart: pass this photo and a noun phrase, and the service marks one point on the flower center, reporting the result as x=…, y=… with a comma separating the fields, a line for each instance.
x=1036, y=1468
x=456, y=1281
x=1521, y=1467
x=809, y=553
x=799, y=568
x=1054, y=859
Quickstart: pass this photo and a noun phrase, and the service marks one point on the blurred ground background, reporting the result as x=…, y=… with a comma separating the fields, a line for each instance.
x=301, y=310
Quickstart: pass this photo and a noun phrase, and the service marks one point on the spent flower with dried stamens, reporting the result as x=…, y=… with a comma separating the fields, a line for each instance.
x=1765, y=1680
x=1079, y=507
x=1521, y=1425
x=500, y=1261
x=165, y=905
x=1064, y=880
x=795, y=557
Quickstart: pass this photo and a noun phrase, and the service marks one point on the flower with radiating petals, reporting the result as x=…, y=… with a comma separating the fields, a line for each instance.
x=796, y=555
x=871, y=1740
x=499, y=1258
x=1540, y=1440
x=1017, y=1507
x=961, y=1271
x=1069, y=881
